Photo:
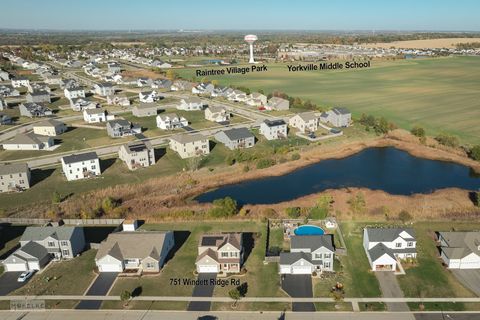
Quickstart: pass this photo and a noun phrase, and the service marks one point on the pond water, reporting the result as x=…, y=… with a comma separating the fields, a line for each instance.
x=388, y=169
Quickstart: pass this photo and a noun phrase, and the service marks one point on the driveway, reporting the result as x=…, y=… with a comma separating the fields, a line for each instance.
x=100, y=287
x=202, y=291
x=391, y=289
x=9, y=283
x=469, y=278
x=299, y=286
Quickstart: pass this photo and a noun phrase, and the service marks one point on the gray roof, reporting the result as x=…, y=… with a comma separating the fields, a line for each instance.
x=307, y=116
x=28, y=138
x=13, y=168
x=312, y=242
x=94, y=111
x=238, y=133
x=461, y=244
x=133, y=245
x=137, y=146
x=49, y=123
x=41, y=233
x=292, y=257
x=379, y=250
x=80, y=157
x=274, y=123
x=119, y=122
x=341, y=110
x=33, y=249
x=187, y=138
x=388, y=234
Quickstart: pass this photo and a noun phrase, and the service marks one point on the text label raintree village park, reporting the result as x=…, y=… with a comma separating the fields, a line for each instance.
x=291, y=68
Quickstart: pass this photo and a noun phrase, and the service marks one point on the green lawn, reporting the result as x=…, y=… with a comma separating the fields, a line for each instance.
x=70, y=277
x=261, y=279
x=114, y=172
x=438, y=94
x=429, y=278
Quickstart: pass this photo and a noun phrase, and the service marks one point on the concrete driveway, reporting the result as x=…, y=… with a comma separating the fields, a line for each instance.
x=391, y=289
x=202, y=291
x=299, y=286
x=100, y=287
x=469, y=278
x=9, y=283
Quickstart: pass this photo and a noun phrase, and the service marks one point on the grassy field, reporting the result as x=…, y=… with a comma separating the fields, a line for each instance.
x=438, y=94
x=70, y=277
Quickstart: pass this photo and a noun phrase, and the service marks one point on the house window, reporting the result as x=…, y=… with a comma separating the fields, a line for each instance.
x=65, y=252
x=318, y=256
x=410, y=244
x=224, y=254
x=326, y=255
x=64, y=243
x=51, y=244
x=234, y=254
x=150, y=265
x=398, y=245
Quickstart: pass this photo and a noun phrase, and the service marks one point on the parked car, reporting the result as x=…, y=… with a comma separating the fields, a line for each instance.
x=25, y=276
x=312, y=135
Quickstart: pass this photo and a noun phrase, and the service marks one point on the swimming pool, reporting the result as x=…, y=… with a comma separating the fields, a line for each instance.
x=308, y=230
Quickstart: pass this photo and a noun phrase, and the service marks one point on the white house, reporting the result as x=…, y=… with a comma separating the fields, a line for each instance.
x=80, y=104
x=273, y=129
x=74, y=92
x=256, y=99
x=29, y=141
x=81, y=166
x=171, y=121
x=460, y=250
x=50, y=127
x=203, y=88
x=338, y=117
x=104, y=89
x=384, y=246
x=277, y=103
x=190, y=104
x=20, y=82
x=304, y=122
x=217, y=114
x=96, y=115
x=137, y=154
x=308, y=254
x=148, y=96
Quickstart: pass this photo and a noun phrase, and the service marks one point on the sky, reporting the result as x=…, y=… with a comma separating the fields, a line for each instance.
x=435, y=15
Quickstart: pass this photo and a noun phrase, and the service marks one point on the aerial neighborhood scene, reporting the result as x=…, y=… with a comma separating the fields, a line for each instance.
x=309, y=160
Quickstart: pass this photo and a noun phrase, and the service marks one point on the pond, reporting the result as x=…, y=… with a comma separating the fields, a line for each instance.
x=388, y=169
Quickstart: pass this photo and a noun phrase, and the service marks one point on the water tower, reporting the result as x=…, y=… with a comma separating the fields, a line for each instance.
x=250, y=39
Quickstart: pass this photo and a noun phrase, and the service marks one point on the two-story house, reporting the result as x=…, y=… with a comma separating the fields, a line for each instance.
x=81, y=166
x=273, y=129
x=384, y=246
x=38, y=245
x=460, y=249
x=74, y=92
x=97, y=115
x=220, y=253
x=217, y=114
x=190, y=104
x=148, y=96
x=308, y=254
x=189, y=145
x=304, y=122
x=122, y=128
x=236, y=138
x=338, y=117
x=137, y=154
x=104, y=89
x=14, y=177
x=171, y=121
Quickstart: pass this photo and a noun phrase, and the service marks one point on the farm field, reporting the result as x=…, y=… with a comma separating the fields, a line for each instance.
x=440, y=94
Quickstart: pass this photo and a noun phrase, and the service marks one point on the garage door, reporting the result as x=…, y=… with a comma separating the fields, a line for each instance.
x=207, y=269
x=110, y=268
x=301, y=270
x=16, y=267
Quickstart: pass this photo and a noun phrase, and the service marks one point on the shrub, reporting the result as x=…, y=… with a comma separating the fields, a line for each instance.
x=404, y=216
x=225, y=207
x=293, y=212
x=246, y=168
x=418, y=131
x=295, y=156
x=447, y=140
x=56, y=197
x=357, y=203
x=475, y=152
x=265, y=163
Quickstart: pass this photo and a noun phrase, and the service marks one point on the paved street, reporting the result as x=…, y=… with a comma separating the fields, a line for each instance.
x=202, y=291
x=299, y=286
x=391, y=289
x=100, y=287
x=237, y=315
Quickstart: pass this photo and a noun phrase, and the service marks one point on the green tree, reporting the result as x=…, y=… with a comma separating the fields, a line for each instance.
x=447, y=140
x=125, y=296
x=418, y=132
x=56, y=197
x=234, y=294
x=404, y=216
x=225, y=207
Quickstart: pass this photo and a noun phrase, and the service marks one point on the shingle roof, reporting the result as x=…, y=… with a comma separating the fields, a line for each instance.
x=49, y=123
x=13, y=168
x=187, y=138
x=133, y=245
x=307, y=116
x=379, y=250
x=238, y=133
x=312, y=242
x=27, y=138
x=80, y=157
x=33, y=249
x=41, y=233
x=274, y=123
x=388, y=234
x=461, y=244
x=341, y=110
x=292, y=257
